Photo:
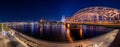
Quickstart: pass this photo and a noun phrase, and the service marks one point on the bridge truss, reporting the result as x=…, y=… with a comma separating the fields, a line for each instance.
x=96, y=14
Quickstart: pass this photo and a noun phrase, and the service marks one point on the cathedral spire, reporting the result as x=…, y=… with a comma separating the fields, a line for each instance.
x=63, y=19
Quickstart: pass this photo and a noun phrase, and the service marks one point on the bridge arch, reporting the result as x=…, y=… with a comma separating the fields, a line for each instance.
x=96, y=14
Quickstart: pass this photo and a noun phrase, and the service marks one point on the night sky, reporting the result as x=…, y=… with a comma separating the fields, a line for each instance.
x=53, y=10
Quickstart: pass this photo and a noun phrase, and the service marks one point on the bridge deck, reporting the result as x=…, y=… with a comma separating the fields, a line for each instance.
x=110, y=25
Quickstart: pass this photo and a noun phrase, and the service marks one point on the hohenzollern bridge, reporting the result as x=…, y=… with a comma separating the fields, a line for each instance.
x=96, y=14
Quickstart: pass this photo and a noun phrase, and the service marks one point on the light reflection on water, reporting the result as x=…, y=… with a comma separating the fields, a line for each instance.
x=58, y=32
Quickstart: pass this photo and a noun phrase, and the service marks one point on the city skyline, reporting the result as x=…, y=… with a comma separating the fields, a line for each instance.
x=28, y=10
x=59, y=23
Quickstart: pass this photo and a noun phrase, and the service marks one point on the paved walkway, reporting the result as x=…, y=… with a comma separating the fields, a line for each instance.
x=100, y=41
x=2, y=43
x=116, y=42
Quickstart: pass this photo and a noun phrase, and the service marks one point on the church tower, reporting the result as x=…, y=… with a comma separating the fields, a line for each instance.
x=63, y=19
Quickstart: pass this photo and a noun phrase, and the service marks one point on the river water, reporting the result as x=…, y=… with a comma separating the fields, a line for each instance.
x=58, y=32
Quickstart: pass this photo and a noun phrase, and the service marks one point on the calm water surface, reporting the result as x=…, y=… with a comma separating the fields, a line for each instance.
x=57, y=32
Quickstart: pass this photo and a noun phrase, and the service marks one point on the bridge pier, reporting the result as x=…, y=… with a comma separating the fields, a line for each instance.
x=68, y=34
x=74, y=32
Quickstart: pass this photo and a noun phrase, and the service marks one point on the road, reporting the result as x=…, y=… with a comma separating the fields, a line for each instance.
x=9, y=41
x=13, y=42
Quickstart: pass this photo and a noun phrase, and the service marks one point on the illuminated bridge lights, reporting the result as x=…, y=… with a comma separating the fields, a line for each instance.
x=95, y=14
x=72, y=29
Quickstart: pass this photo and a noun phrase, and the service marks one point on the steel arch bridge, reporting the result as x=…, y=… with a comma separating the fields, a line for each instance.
x=96, y=14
